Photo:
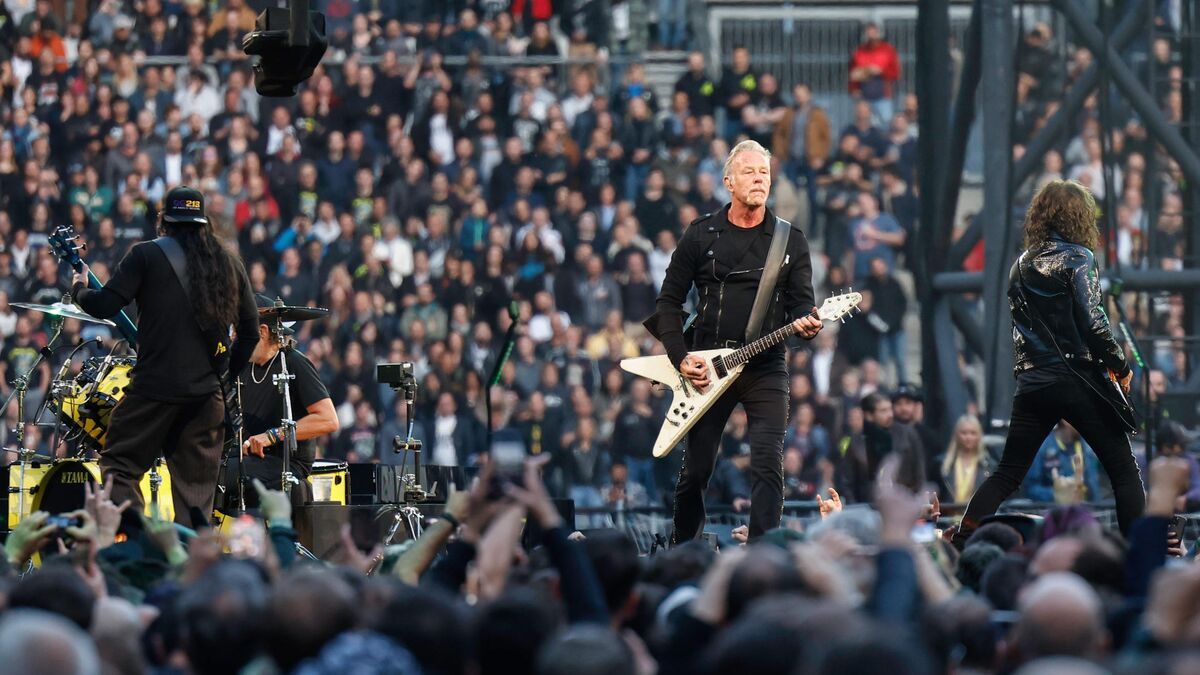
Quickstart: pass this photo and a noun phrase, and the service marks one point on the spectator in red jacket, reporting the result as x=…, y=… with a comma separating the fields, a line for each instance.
x=874, y=69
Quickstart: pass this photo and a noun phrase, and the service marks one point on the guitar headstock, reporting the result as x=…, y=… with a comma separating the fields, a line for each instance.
x=62, y=244
x=838, y=306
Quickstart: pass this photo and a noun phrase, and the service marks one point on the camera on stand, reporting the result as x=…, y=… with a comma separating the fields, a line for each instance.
x=402, y=380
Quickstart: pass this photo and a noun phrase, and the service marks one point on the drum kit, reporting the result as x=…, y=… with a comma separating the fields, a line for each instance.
x=82, y=404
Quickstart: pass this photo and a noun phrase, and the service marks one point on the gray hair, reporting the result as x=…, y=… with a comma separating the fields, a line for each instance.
x=33, y=641
x=745, y=146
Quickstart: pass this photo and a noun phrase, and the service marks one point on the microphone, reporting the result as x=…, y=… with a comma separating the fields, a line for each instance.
x=66, y=366
x=514, y=310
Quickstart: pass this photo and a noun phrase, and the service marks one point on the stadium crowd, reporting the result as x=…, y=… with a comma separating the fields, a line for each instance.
x=417, y=198
x=860, y=590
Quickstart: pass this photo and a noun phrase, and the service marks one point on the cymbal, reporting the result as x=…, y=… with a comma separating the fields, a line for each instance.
x=292, y=313
x=63, y=309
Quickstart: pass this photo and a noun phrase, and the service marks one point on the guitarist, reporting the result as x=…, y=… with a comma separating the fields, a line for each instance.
x=174, y=406
x=723, y=254
x=1064, y=349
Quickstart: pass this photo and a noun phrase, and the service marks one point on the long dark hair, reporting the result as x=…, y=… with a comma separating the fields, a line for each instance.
x=1065, y=207
x=211, y=273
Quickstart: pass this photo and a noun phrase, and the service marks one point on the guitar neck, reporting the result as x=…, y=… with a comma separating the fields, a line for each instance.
x=759, y=346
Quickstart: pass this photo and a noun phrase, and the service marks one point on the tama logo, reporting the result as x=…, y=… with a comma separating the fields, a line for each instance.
x=74, y=477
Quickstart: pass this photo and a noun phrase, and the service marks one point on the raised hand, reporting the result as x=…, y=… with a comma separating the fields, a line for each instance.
x=28, y=537
x=275, y=505
x=349, y=555
x=898, y=507
x=534, y=496
x=99, y=505
x=164, y=535
x=831, y=505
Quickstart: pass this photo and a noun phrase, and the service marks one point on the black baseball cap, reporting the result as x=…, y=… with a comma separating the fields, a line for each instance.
x=184, y=205
x=908, y=391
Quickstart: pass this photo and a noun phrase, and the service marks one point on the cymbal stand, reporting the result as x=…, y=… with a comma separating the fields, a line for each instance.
x=20, y=387
x=287, y=424
x=155, y=481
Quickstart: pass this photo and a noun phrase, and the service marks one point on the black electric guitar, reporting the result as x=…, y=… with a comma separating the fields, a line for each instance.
x=62, y=244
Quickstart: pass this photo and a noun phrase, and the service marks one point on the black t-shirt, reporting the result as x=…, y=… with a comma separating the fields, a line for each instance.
x=173, y=363
x=262, y=402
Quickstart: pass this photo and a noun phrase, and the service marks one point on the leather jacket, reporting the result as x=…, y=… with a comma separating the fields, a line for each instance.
x=1060, y=282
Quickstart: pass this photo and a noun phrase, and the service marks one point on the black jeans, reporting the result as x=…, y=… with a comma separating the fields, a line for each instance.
x=1033, y=417
x=762, y=389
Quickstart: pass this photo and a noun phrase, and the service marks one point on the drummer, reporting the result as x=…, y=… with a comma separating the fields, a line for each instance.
x=263, y=410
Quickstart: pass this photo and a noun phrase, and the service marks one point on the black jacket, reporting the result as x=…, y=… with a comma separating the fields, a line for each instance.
x=1060, y=283
x=727, y=280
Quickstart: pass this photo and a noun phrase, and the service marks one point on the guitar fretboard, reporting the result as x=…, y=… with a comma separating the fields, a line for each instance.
x=759, y=346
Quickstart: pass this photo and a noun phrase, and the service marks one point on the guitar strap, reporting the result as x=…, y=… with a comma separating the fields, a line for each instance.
x=219, y=354
x=1131, y=425
x=770, y=276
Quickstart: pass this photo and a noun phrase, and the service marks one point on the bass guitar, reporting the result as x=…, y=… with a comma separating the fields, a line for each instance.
x=688, y=404
x=62, y=244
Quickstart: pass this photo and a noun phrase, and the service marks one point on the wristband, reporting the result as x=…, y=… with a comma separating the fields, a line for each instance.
x=446, y=516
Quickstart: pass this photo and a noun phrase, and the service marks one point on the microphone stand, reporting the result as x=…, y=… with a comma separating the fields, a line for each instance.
x=409, y=483
x=287, y=478
x=510, y=339
x=1136, y=350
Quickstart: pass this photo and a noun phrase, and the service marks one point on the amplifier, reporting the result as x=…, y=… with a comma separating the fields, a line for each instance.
x=319, y=526
x=375, y=484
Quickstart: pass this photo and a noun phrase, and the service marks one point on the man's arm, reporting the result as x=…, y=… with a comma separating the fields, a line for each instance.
x=321, y=420
x=120, y=290
x=668, y=316
x=1090, y=316
x=800, y=295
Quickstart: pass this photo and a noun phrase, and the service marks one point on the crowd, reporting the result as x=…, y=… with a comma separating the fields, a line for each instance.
x=416, y=192
x=860, y=589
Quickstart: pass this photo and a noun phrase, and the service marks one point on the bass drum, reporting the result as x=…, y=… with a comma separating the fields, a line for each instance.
x=98, y=388
x=58, y=488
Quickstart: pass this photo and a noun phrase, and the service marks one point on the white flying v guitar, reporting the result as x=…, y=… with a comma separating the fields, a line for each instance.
x=689, y=404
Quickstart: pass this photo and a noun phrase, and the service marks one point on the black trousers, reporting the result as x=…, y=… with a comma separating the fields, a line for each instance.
x=1034, y=415
x=188, y=435
x=762, y=389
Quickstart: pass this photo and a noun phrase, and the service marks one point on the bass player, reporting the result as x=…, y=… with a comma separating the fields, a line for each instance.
x=174, y=406
x=724, y=255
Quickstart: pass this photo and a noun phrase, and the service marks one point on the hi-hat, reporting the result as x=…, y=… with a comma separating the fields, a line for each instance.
x=63, y=309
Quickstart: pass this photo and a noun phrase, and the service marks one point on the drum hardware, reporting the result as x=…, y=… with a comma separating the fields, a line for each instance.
x=155, y=482
x=20, y=387
x=63, y=309
x=60, y=388
x=281, y=314
x=221, y=503
x=406, y=516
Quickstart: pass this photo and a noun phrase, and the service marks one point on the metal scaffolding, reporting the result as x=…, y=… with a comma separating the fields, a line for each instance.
x=990, y=58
